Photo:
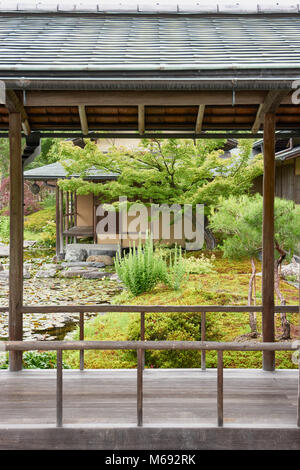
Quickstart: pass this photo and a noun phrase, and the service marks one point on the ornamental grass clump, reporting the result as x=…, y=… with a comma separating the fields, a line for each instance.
x=141, y=269
x=177, y=270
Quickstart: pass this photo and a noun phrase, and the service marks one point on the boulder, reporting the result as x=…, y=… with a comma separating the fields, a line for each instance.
x=291, y=269
x=74, y=254
x=107, y=260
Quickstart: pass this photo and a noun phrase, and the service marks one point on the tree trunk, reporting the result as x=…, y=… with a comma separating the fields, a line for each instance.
x=286, y=327
x=252, y=287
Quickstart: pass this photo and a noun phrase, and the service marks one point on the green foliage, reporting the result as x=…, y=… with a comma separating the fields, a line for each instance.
x=177, y=270
x=49, y=201
x=201, y=265
x=36, y=360
x=48, y=235
x=48, y=153
x=169, y=327
x=141, y=269
x=38, y=221
x=239, y=220
x=43, y=223
x=162, y=171
x=4, y=228
x=4, y=158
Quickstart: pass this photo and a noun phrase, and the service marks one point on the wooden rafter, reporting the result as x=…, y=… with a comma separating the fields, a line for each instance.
x=83, y=119
x=271, y=103
x=141, y=118
x=199, y=121
x=14, y=105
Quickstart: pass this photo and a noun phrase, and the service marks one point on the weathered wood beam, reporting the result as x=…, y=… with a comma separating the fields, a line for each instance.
x=270, y=104
x=83, y=119
x=199, y=120
x=268, y=323
x=14, y=105
x=16, y=239
x=141, y=118
x=146, y=98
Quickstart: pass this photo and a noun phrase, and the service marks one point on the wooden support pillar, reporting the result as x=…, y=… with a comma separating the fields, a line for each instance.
x=61, y=220
x=268, y=321
x=16, y=239
x=57, y=222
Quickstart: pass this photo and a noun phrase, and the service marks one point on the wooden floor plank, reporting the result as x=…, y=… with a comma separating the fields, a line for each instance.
x=170, y=397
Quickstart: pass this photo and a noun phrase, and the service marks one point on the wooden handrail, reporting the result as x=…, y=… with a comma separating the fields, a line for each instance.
x=149, y=345
x=153, y=308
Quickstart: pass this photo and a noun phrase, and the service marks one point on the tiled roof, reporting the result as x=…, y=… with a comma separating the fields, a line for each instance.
x=57, y=171
x=156, y=42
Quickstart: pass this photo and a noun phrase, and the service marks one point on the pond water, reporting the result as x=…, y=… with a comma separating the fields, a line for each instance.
x=53, y=291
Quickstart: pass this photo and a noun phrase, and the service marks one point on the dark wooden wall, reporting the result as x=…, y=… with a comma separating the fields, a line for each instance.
x=287, y=183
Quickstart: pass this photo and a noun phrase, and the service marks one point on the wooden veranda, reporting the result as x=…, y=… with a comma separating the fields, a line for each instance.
x=131, y=100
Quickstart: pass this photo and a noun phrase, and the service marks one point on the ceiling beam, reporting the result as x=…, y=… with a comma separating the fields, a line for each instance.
x=199, y=120
x=146, y=98
x=14, y=105
x=163, y=135
x=270, y=104
x=83, y=119
x=141, y=118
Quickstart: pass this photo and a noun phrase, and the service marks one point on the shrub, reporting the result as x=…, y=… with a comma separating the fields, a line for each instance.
x=48, y=236
x=200, y=265
x=36, y=360
x=38, y=221
x=169, y=327
x=141, y=269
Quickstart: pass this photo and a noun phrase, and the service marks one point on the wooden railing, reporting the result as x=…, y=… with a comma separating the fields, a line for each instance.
x=144, y=309
x=140, y=347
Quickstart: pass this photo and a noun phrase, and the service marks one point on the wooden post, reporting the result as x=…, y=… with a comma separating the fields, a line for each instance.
x=61, y=220
x=139, y=387
x=203, y=338
x=59, y=389
x=16, y=240
x=143, y=336
x=268, y=240
x=81, y=337
x=220, y=388
x=57, y=223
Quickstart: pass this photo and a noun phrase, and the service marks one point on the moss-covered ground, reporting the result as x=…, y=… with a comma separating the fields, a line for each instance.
x=226, y=285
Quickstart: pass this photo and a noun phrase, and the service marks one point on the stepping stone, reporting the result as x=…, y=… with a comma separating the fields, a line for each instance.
x=83, y=264
x=95, y=275
x=46, y=273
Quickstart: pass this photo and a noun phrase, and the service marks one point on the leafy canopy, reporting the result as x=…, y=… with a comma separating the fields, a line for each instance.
x=162, y=171
x=239, y=220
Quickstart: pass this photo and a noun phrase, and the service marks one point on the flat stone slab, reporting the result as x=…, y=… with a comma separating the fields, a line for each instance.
x=5, y=274
x=83, y=264
x=85, y=273
x=46, y=273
